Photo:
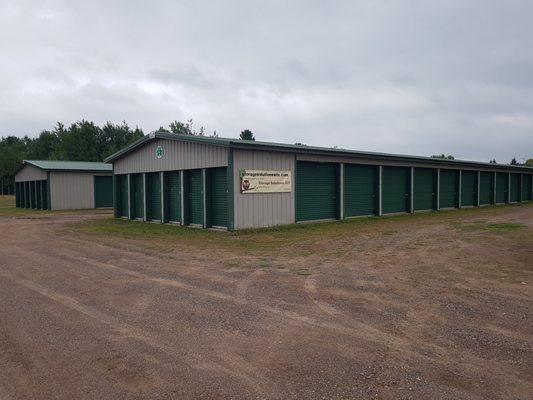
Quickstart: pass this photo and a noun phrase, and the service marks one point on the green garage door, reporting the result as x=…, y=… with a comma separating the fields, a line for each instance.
x=217, y=197
x=38, y=197
x=486, y=187
x=515, y=187
x=316, y=191
x=103, y=191
x=153, y=198
x=46, y=206
x=501, y=187
x=123, y=195
x=32, y=195
x=173, y=195
x=526, y=187
x=395, y=190
x=17, y=195
x=360, y=190
x=468, y=188
x=449, y=183
x=137, y=197
x=27, y=195
x=424, y=189
x=194, y=197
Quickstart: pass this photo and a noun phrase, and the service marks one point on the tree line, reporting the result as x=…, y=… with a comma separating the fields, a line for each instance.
x=81, y=141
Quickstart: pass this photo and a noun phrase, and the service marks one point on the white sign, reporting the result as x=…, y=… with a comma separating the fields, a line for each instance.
x=265, y=181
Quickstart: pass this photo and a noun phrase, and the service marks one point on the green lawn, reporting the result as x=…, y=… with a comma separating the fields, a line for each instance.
x=269, y=239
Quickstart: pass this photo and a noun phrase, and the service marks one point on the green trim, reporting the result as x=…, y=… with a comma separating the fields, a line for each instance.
x=231, y=192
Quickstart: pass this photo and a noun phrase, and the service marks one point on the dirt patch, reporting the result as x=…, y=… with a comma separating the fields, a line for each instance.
x=432, y=306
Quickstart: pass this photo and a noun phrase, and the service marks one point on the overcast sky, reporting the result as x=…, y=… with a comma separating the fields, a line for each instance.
x=413, y=77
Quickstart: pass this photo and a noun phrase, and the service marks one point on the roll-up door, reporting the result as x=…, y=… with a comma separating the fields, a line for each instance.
x=194, y=206
x=17, y=195
x=137, y=196
x=360, y=190
x=27, y=194
x=32, y=194
x=395, y=190
x=316, y=191
x=424, y=189
x=46, y=206
x=173, y=195
x=515, y=188
x=468, y=188
x=103, y=191
x=526, y=187
x=153, y=196
x=449, y=183
x=38, y=194
x=123, y=195
x=217, y=197
x=502, y=181
x=486, y=187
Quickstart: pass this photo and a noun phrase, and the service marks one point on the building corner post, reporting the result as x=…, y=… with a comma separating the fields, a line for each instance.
x=459, y=190
x=478, y=187
x=438, y=190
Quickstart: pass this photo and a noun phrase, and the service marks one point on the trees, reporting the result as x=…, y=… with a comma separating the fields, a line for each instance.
x=247, y=134
x=81, y=141
x=529, y=162
x=514, y=162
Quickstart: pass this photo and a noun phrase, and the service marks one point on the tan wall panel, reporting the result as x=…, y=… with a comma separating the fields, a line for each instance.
x=262, y=209
x=177, y=155
x=30, y=173
x=71, y=190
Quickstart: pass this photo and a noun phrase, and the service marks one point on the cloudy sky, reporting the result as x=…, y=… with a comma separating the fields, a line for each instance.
x=413, y=77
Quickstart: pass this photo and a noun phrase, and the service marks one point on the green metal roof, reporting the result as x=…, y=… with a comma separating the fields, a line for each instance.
x=82, y=166
x=294, y=148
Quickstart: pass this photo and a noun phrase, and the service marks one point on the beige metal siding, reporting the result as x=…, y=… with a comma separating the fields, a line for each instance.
x=262, y=209
x=71, y=190
x=30, y=173
x=177, y=155
x=370, y=161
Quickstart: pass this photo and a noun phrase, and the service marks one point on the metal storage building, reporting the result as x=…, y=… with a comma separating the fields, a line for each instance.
x=238, y=184
x=63, y=185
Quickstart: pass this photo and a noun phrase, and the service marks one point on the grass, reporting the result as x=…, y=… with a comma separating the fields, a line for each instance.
x=268, y=240
x=7, y=208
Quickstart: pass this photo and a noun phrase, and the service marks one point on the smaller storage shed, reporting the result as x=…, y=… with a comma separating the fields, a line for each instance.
x=63, y=185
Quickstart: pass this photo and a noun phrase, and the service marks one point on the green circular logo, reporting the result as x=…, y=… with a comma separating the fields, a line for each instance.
x=159, y=152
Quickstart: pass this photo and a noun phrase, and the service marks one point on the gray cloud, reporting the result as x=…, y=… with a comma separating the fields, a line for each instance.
x=409, y=76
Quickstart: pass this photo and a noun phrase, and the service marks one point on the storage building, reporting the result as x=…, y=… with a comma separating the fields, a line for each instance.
x=63, y=185
x=238, y=184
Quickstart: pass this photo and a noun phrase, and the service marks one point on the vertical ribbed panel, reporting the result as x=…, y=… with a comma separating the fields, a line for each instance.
x=137, y=196
x=217, y=197
x=176, y=155
x=526, y=187
x=153, y=199
x=486, y=184
x=256, y=210
x=316, y=191
x=194, y=197
x=469, y=188
x=515, y=187
x=501, y=187
x=71, y=190
x=30, y=173
x=360, y=189
x=395, y=189
x=173, y=196
x=425, y=189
